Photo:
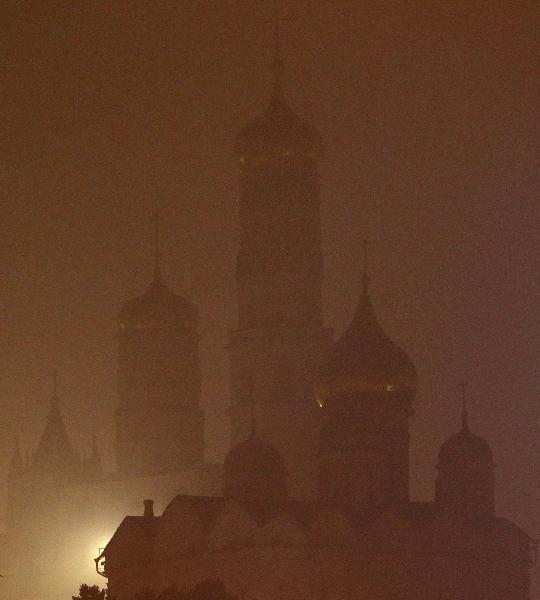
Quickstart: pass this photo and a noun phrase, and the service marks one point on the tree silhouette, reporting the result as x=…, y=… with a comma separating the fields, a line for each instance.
x=87, y=592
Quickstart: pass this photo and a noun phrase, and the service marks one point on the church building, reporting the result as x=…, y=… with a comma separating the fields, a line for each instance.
x=314, y=501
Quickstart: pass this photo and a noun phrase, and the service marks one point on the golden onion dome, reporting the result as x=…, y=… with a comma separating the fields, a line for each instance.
x=365, y=360
x=157, y=308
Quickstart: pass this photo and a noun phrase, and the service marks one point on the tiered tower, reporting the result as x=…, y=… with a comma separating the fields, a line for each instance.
x=280, y=336
x=159, y=423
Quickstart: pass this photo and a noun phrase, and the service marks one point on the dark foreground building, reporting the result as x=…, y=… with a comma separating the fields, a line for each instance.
x=315, y=494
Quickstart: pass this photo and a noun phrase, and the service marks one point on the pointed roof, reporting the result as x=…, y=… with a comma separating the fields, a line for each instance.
x=54, y=453
x=158, y=307
x=278, y=132
x=365, y=359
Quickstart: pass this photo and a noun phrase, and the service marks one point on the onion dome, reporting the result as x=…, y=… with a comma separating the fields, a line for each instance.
x=158, y=307
x=254, y=474
x=365, y=359
x=465, y=447
x=279, y=132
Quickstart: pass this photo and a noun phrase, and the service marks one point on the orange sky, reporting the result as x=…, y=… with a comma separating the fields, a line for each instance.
x=430, y=119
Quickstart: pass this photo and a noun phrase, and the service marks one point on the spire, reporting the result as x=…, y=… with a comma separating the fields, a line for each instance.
x=54, y=453
x=54, y=396
x=277, y=62
x=464, y=413
x=157, y=253
x=253, y=420
x=365, y=267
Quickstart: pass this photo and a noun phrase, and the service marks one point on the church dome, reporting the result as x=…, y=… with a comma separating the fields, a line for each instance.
x=157, y=308
x=277, y=133
x=365, y=360
x=465, y=447
x=254, y=473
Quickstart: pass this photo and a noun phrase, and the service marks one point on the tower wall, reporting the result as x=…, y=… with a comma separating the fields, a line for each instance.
x=280, y=339
x=363, y=462
x=160, y=425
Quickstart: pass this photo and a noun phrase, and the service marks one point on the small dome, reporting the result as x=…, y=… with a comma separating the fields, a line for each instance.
x=157, y=308
x=465, y=448
x=277, y=133
x=254, y=473
x=365, y=360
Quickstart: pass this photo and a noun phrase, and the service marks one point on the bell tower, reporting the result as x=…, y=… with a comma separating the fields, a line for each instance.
x=279, y=272
x=159, y=423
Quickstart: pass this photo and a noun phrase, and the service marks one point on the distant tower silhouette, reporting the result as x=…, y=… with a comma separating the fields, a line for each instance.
x=280, y=336
x=54, y=456
x=159, y=421
x=465, y=481
x=366, y=385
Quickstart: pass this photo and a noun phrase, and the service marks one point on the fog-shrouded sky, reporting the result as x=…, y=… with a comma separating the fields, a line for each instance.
x=430, y=117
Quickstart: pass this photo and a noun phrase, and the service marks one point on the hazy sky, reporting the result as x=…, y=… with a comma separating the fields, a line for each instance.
x=429, y=114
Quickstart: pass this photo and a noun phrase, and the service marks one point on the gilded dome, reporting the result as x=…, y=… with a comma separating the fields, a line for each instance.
x=365, y=360
x=465, y=447
x=157, y=308
x=254, y=473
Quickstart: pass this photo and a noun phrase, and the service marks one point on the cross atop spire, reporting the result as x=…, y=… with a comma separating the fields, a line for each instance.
x=464, y=413
x=253, y=420
x=365, y=265
x=277, y=62
x=54, y=396
x=55, y=382
x=157, y=249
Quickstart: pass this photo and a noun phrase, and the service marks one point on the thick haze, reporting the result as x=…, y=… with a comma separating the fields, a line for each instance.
x=430, y=119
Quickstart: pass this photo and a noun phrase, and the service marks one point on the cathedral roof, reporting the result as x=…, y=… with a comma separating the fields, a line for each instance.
x=465, y=447
x=365, y=359
x=157, y=308
x=278, y=132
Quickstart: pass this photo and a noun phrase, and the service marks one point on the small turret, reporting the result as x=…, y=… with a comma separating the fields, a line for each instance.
x=465, y=481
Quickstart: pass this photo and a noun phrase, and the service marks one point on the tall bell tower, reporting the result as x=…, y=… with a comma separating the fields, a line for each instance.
x=279, y=271
x=159, y=422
